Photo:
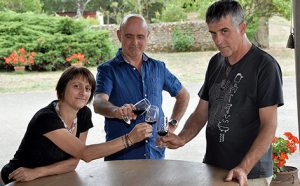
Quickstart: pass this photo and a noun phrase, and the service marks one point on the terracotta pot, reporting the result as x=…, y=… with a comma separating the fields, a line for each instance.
x=287, y=178
x=19, y=68
x=77, y=64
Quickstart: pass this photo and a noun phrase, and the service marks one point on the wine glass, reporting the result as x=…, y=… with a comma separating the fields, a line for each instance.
x=139, y=108
x=162, y=127
x=152, y=115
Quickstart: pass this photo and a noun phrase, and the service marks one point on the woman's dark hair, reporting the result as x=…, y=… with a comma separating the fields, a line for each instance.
x=69, y=74
x=224, y=8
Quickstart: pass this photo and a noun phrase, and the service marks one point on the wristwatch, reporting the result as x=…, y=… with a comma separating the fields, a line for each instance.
x=173, y=122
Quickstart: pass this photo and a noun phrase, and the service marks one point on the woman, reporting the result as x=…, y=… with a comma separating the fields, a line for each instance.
x=56, y=135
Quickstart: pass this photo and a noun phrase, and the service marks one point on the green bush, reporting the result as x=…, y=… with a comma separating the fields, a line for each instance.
x=53, y=39
x=182, y=41
x=68, y=26
x=173, y=13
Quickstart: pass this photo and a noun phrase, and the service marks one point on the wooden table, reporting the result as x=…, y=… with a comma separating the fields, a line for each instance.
x=137, y=173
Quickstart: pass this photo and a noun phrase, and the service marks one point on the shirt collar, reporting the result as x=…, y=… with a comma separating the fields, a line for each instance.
x=120, y=58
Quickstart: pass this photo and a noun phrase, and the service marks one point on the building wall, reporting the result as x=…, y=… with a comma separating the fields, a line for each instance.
x=86, y=14
x=161, y=35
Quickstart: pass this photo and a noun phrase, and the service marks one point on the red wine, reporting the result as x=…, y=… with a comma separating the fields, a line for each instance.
x=162, y=133
x=151, y=122
x=138, y=112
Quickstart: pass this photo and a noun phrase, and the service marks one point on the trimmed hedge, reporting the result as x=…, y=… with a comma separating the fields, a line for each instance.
x=53, y=39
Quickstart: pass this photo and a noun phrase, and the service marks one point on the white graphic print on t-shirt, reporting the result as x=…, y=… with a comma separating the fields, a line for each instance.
x=222, y=94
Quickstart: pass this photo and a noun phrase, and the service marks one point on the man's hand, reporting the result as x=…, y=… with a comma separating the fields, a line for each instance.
x=125, y=112
x=239, y=174
x=171, y=141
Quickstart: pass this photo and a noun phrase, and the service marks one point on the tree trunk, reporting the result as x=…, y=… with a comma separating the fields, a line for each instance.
x=262, y=33
x=81, y=4
x=80, y=9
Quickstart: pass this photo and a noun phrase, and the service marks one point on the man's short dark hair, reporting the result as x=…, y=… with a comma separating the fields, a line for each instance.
x=223, y=8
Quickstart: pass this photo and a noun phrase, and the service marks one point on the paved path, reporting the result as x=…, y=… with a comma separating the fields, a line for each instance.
x=17, y=109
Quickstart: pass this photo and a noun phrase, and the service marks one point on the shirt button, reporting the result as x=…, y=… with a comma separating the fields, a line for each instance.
x=145, y=95
x=146, y=141
x=134, y=68
x=145, y=155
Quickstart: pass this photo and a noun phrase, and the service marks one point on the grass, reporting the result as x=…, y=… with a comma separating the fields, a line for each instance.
x=28, y=81
x=189, y=67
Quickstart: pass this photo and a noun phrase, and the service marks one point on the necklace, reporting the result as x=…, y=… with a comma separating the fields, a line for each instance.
x=74, y=124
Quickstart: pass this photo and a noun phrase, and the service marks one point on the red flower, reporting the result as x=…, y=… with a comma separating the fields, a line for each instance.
x=288, y=134
x=295, y=139
x=76, y=58
x=281, y=149
x=20, y=58
x=274, y=139
x=283, y=156
x=273, y=156
x=281, y=163
x=22, y=51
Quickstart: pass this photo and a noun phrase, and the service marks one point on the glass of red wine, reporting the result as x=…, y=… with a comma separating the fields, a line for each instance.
x=152, y=115
x=162, y=129
x=139, y=108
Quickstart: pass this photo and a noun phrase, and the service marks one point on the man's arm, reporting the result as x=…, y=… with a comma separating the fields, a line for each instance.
x=192, y=127
x=268, y=124
x=195, y=122
x=180, y=106
x=104, y=107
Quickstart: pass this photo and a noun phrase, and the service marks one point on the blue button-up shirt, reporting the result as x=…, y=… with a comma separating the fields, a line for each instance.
x=123, y=83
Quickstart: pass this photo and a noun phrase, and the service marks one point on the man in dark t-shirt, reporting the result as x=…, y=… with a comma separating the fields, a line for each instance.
x=238, y=100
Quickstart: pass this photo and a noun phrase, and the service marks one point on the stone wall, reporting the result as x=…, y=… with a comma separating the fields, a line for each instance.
x=161, y=35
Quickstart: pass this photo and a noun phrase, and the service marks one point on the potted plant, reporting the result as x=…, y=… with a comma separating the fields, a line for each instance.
x=20, y=58
x=282, y=148
x=76, y=59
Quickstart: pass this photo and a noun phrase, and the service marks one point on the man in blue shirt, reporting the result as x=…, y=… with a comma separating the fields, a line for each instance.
x=129, y=77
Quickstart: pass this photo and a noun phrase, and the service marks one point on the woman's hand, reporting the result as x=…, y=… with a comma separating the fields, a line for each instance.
x=140, y=132
x=24, y=174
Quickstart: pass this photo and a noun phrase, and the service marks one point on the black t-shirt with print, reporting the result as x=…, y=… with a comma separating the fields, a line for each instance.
x=36, y=150
x=235, y=94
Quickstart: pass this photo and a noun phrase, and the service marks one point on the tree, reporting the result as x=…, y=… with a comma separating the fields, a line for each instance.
x=78, y=6
x=147, y=8
x=21, y=5
x=81, y=4
x=257, y=17
x=173, y=13
x=112, y=9
x=53, y=6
